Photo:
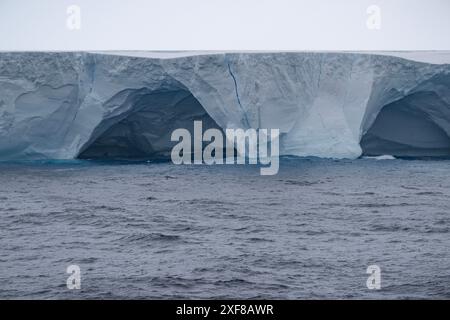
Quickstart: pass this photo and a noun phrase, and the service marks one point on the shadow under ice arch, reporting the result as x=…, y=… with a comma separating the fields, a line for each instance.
x=141, y=122
x=417, y=125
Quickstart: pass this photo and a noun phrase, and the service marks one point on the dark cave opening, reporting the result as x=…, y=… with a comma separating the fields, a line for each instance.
x=405, y=128
x=146, y=132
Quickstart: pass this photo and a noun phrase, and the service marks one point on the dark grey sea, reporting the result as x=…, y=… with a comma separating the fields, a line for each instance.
x=157, y=230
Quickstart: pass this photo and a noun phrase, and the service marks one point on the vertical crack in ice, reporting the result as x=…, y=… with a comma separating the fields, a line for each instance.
x=320, y=72
x=91, y=69
x=237, y=94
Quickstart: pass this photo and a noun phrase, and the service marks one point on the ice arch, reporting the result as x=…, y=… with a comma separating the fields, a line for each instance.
x=414, y=126
x=141, y=123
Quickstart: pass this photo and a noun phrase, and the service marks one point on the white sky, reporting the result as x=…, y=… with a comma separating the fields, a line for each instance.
x=224, y=25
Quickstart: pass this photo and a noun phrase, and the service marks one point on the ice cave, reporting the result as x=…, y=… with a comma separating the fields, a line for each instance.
x=407, y=128
x=144, y=131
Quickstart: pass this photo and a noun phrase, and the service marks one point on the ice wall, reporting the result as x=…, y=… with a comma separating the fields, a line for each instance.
x=58, y=105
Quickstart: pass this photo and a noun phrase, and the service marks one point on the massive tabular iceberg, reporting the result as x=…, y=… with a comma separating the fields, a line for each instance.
x=340, y=105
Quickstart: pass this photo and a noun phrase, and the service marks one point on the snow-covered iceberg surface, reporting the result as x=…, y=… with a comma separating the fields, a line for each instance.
x=340, y=105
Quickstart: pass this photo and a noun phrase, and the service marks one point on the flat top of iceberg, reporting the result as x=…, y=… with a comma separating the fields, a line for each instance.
x=434, y=57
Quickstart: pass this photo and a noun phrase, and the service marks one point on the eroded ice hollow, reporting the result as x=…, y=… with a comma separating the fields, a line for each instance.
x=125, y=106
x=146, y=131
x=406, y=128
x=415, y=125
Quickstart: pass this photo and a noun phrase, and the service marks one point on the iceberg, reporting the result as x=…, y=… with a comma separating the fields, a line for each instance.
x=68, y=105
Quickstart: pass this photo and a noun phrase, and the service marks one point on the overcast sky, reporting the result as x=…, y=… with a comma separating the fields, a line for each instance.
x=225, y=25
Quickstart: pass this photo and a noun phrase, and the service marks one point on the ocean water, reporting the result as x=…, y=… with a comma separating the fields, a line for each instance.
x=157, y=230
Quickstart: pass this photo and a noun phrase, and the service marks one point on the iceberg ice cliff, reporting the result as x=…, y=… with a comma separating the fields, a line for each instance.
x=339, y=105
